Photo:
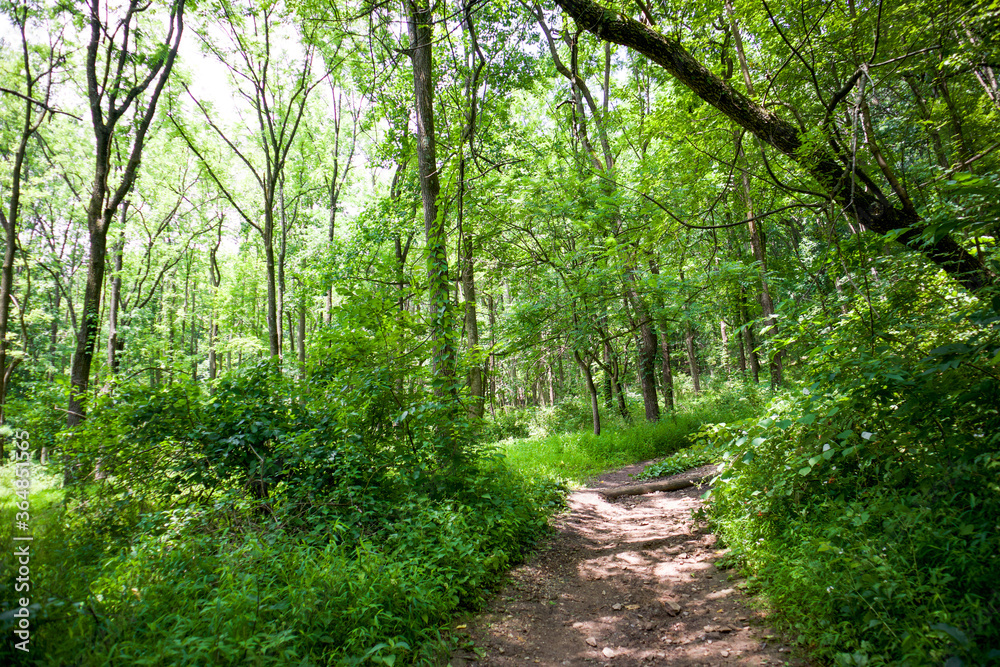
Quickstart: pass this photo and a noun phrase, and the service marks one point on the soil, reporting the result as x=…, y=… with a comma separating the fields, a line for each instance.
x=625, y=583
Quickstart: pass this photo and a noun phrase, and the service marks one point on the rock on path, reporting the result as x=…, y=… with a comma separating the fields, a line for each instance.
x=623, y=583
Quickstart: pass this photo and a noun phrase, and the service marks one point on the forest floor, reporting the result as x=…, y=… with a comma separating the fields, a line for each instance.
x=624, y=582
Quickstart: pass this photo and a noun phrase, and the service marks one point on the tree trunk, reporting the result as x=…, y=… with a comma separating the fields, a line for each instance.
x=273, y=324
x=766, y=304
x=653, y=487
x=647, y=362
x=54, y=337
x=741, y=356
x=114, y=300
x=963, y=147
x=937, y=146
x=754, y=225
x=443, y=351
x=302, y=339
x=749, y=340
x=474, y=378
x=724, y=335
x=193, y=350
x=214, y=279
x=613, y=380
x=420, y=29
x=104, y=201
x=83, y=357
x=692, y=357
x=668, y=375
x=609, y=395
x=595, y=407
x=492, y=372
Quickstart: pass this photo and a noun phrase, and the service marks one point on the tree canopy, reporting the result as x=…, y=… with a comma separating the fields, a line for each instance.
x=387, y=228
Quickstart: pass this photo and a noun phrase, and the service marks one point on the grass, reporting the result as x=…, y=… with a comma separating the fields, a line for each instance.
x=573, y=456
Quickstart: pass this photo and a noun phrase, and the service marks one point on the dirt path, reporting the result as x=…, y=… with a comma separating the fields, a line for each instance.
x=629, y=582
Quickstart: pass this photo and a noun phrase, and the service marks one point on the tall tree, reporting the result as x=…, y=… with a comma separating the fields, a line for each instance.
x=36, y=77
x=443, y=357
x=126, y=71
x=276, y=85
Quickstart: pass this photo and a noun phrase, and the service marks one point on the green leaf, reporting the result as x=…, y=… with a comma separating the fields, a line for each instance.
x=953, y=632
x=805, y=471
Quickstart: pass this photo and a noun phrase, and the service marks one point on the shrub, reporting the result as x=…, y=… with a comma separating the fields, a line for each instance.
x=867, y=506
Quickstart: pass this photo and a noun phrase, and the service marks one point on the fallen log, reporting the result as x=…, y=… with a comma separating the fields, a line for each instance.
x=665, y=485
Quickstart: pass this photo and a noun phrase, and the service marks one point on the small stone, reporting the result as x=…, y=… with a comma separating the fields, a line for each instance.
x=616, y=606
x=591, y=640
x=672, y=607
x=725, y=654
x=608, y=652
x=500, y=650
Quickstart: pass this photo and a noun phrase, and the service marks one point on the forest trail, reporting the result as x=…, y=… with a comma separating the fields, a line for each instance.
x=626, y=582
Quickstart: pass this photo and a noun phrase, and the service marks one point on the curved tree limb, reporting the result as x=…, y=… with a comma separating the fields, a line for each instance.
x=861, y=200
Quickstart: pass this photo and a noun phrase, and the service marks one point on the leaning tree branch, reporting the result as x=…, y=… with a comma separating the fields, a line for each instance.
x=867, y=204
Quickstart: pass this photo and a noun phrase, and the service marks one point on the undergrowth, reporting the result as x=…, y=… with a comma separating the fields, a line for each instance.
x=704, y=450
x=267, y=523
x=867, y=504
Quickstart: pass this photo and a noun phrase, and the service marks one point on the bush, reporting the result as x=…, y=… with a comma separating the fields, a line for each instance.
x=867, y=506
x=219, y=583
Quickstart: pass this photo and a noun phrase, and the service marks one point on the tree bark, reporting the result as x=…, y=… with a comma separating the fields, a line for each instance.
x=475, y=372
x=115, y=344
x=692, y=357
x=302, y=339
x=749, y=340
x=443, y=350
x=668, y=375
x=595, y=407
x=214, y=279
x=932, y=132
x=647, y=361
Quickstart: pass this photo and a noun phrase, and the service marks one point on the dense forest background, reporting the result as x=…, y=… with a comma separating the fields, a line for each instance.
x=279, y=276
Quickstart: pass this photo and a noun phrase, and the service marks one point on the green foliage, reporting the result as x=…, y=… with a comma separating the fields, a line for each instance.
x=269, y=521
x=217, y=582
x=576, y=455
x=702, y=452
x=867, y=503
